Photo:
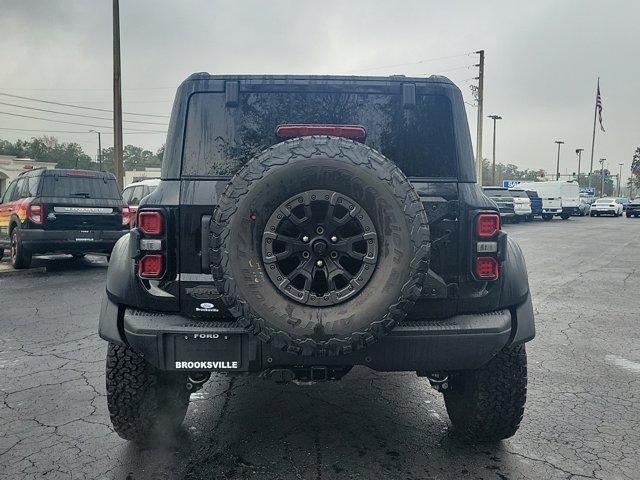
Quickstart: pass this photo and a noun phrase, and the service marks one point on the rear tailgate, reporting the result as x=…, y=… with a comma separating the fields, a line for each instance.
x=81, y=214
x=551, y=204
x=81, y=201
x=198, y=296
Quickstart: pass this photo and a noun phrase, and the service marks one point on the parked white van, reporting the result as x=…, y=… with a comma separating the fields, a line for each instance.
x=560, y=197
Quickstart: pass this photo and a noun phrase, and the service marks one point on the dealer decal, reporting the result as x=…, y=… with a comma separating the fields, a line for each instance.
x=191, y=365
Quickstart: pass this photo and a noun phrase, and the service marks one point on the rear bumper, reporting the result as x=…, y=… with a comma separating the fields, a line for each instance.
x=523, y=212
x=570, y=210
x=169, y=341
x=69, y=241
x=605, y=211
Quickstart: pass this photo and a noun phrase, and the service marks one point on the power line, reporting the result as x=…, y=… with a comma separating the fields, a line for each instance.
x=127, y=132
x=78, y=114
x=452, y=69
x=380, y=67
x=57, y=121
x=83, y=89
x=78, y=106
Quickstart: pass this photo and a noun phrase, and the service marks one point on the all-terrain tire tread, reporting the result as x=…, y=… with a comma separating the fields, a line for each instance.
x=487, y=405
x=295, y=150
x=143, y=401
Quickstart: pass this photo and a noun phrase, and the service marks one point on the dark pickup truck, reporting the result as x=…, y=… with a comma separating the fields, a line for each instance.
x=307, y=224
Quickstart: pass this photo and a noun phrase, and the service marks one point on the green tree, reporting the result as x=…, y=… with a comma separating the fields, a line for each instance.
x=508, y=172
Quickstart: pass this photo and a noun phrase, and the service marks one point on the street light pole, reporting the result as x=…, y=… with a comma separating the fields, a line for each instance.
x=493, y=171
x=559, y=142
x=602, y=160
x=99, y=148
x=620, y=179
x=579, y=153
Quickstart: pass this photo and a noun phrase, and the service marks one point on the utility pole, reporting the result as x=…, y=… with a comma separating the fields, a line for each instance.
x=480, y=79
x=493, y=171
x=559, y=142
x=620, y=179
x=99, y=148
x=602, y=160
x=118, y=167
x=579, y=153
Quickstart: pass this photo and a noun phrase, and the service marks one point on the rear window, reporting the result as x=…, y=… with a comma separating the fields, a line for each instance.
x=79, y=187
x=219, y=139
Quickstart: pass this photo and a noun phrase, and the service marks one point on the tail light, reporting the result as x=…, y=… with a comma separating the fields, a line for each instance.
x=126, y=217
x=35, y=213
x=150, y=222
x=487, y=263
x=151, y=266
x=353, y=132
x=487, y=268
x=152, y=263
x=487, y=225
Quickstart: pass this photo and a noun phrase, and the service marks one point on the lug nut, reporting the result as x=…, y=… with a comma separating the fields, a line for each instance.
x=320, y=230
x=334, y=239
x=319, y=263
x=305, y=254
x=305, y=239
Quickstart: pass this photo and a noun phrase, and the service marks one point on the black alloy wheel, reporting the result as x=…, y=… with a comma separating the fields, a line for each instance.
x=320, y=247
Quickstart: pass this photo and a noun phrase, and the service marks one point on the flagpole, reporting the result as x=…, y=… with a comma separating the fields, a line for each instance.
x=593, y=136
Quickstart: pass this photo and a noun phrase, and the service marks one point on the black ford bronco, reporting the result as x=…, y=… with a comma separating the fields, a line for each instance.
x=307, y=224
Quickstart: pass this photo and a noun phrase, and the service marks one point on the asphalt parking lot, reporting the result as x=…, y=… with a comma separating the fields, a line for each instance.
x=582, y=418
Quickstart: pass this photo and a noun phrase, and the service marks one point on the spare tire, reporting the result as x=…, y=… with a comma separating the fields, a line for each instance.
x=319, y=245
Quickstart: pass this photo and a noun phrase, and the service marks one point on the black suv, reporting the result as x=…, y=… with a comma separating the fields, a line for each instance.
x=304, y=225
x=61, y=211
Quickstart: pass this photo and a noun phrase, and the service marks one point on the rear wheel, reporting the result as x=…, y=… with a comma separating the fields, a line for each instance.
x=1, y=252
x=487, y=405
x=20, y=256
x=628, y=216
x=144, y=403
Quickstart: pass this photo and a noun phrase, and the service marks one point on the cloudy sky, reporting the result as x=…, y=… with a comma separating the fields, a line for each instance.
x=542, y=61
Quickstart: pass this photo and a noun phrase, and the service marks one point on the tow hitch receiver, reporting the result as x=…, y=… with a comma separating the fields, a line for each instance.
x=305, y=375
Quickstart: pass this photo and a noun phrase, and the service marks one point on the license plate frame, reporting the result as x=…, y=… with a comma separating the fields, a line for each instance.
x=206, y=351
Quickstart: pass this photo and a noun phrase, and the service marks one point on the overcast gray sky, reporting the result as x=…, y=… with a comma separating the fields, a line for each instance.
x=542, y=60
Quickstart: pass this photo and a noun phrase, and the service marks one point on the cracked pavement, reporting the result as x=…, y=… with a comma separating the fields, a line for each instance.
x=582, y=418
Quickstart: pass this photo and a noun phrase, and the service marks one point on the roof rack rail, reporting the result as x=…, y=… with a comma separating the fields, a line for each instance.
x=32, y=170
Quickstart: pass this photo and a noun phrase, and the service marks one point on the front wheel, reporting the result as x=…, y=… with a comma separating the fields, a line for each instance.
x=565, y=216
x=487, y=405
x=547, y=216
x=144, y=403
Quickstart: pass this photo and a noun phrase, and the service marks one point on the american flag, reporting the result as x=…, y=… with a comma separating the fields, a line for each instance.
x=599, y=106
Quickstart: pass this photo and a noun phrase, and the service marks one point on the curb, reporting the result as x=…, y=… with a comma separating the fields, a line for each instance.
x=12, y=271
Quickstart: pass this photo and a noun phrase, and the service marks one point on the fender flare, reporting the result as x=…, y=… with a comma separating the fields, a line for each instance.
x=120, y=276
x=515, y=294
